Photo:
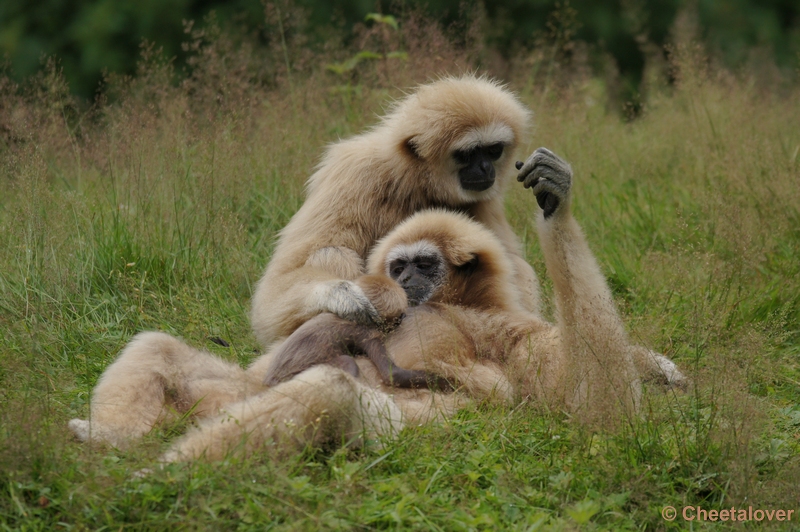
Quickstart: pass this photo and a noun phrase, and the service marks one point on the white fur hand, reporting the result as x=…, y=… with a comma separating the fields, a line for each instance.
x=346, y=300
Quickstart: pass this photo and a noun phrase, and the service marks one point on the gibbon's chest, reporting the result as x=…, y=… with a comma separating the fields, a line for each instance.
x=456, y=334
x=426, y=332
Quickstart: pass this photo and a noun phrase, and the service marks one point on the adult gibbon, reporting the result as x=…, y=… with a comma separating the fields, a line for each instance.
x=448, y=145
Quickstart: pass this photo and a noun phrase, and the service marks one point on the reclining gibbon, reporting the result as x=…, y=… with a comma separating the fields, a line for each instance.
x=447, y=145
x=467, y=328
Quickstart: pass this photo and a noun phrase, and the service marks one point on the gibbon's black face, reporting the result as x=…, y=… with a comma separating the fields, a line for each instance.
x=476, y=166
x=420, y=272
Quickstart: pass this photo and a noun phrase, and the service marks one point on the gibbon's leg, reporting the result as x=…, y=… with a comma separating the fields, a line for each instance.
x=328, y=339
x=322, y=405
x=156, y=374
x=482, y=381
x=418, y=406
x=600, y=374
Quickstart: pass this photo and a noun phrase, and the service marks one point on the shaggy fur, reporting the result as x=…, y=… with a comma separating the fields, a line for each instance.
x=368, y=184
x=473, y=332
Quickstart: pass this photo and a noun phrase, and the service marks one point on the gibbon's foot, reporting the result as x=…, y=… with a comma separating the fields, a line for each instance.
x=81, y=429
x=655, y=368
x=549, y=176
x=346, y=300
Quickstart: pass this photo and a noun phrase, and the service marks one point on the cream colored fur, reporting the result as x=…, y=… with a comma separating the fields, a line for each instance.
x=367, y=184
x=158, y=377
x=473, y=332
x=497, y=350
x=484, y=334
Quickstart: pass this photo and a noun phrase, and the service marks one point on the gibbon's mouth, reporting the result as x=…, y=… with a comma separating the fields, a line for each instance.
x=478, y=185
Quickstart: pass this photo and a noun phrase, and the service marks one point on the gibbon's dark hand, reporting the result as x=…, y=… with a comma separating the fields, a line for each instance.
x=549, y=176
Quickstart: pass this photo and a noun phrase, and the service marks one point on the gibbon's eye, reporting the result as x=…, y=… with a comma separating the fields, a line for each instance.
x=424, y=266
x=396, y=268
x=495, y=151
x=462, y=157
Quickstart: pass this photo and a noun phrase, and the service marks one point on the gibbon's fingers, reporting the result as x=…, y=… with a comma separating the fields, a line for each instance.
x=544, y=159
x=549, y=176
x=547, y=202
x=346, y=300
x=548, y=195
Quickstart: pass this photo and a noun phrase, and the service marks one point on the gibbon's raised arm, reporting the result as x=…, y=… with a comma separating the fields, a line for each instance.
x=599, y=364
x=447, y=145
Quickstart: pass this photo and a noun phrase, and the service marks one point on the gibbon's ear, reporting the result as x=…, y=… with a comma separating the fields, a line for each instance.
x=468, y=264
x=411, y=147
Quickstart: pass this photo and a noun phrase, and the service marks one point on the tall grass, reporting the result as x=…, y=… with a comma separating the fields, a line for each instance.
x=157, y=208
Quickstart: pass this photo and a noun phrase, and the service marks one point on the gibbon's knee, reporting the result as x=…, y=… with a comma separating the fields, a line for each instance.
x=129, y=397
x=154, y=376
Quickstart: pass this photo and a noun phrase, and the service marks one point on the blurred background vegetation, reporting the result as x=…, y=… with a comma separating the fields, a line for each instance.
x=154, y=205
x=92, y=37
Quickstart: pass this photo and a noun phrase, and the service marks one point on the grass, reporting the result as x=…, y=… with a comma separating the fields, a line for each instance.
x=157, y=208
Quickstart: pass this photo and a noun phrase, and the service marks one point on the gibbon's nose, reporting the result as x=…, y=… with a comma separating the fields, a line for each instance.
x=416, y=293
x=487, y=168
x=403, y=278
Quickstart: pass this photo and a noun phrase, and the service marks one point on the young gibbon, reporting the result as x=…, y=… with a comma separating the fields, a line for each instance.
x=449, y=144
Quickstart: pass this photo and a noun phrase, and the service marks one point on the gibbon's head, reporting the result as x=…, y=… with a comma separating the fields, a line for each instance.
x=459, y=134
x=446, y=257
